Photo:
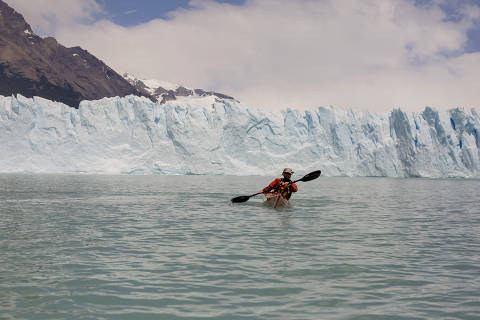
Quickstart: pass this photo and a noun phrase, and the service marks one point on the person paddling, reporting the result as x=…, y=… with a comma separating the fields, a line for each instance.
x=284, y=186
x=308, y=177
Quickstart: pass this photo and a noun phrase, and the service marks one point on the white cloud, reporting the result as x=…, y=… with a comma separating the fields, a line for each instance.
x=48, y=16
x=370, y=54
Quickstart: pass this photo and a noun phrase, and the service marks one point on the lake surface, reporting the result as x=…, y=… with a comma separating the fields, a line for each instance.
x=174, y=247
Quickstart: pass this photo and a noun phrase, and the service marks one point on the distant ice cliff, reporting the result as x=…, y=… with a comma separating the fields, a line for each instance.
x=209, y=136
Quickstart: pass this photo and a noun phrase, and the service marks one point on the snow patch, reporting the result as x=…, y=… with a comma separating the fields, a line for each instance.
x=153, y=84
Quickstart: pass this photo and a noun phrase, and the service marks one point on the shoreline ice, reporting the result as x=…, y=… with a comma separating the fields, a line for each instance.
x=133, y=135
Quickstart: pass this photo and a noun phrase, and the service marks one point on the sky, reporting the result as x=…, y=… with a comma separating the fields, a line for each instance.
x=373, y=55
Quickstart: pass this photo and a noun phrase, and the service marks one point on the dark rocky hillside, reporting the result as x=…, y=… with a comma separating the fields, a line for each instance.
x=35, y=66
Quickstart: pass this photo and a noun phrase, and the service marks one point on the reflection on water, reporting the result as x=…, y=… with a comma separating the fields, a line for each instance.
x=143, y=247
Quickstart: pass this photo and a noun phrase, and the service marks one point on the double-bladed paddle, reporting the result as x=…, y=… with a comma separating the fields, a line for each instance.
x=308, y=177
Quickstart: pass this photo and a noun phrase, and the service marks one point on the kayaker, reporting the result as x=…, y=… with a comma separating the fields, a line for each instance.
x=284, y=186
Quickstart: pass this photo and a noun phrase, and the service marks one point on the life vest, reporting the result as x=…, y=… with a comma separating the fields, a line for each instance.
x=282, y=186
x=285, y=188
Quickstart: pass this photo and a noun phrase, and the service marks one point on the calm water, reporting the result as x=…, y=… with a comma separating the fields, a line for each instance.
x=174, y=247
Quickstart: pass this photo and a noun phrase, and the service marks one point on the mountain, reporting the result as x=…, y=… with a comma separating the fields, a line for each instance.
x=35, y=66
x=204, y=136
x=165, y=91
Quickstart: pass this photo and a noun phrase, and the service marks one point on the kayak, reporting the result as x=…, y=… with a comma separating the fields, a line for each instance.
x=275, y=200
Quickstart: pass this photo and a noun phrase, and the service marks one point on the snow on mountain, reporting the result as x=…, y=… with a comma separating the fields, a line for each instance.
x=151, y=85
x=208, y=136
x=166, y=91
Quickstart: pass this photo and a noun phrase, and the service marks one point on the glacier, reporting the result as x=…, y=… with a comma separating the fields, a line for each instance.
x=224, y=137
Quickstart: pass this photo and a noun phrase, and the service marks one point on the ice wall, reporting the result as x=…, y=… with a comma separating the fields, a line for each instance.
x=208, y=136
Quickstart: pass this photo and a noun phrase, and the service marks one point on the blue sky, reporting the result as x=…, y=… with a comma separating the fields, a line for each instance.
x=371, y=54
x=129, y=12
x=451, y=9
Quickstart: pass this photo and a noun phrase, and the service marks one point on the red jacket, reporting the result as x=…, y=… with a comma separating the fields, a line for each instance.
x=285, y=188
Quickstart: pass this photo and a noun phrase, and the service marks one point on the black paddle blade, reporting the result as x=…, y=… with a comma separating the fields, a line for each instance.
x=243, y=198
x=240, y=199
x=311, y=176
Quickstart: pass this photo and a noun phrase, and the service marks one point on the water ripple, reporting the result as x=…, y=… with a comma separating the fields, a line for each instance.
x=156, y=247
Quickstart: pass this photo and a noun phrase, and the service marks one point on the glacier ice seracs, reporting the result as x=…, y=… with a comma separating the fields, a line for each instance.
x=211, y=136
